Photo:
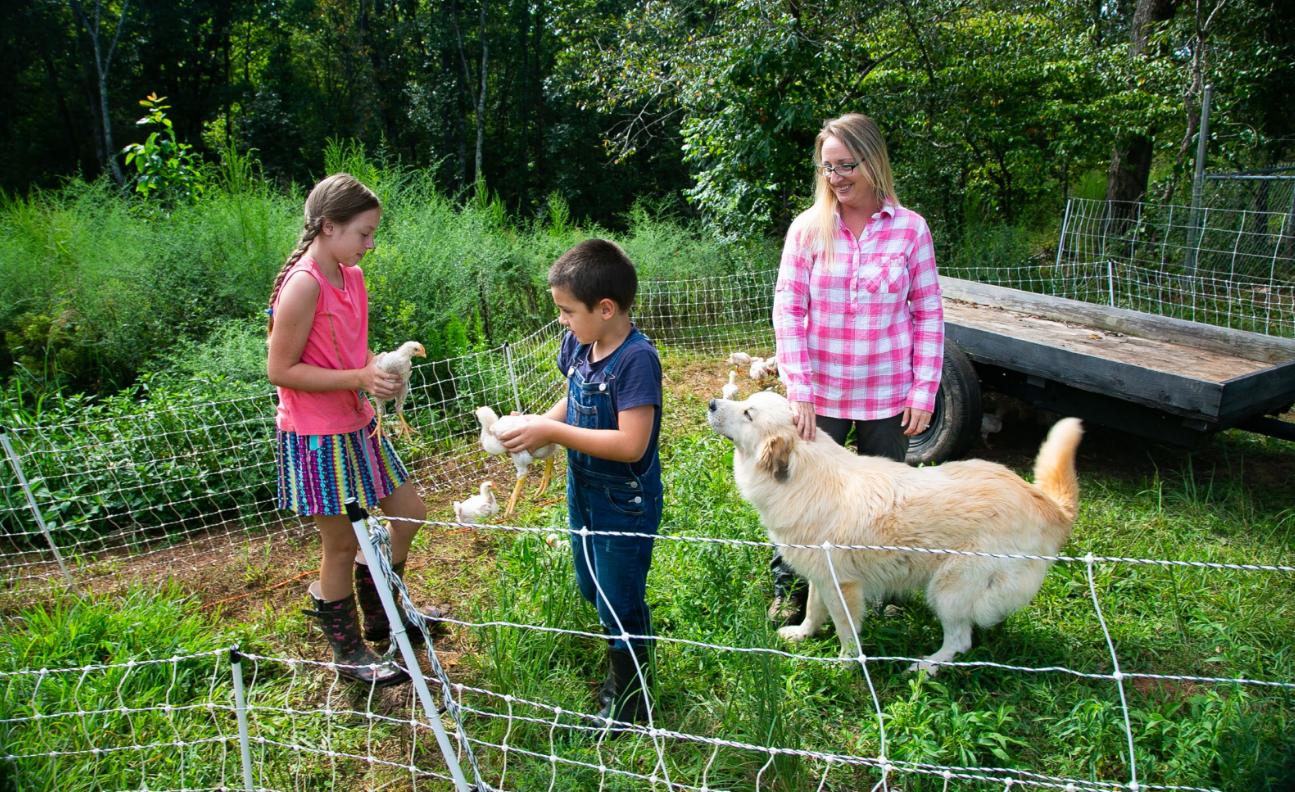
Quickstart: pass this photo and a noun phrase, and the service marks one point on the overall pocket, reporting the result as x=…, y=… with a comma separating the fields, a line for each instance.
x=624, y=501
x=586, y=416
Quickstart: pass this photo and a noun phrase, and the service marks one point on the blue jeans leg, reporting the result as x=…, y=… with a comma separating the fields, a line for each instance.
x=611, y=568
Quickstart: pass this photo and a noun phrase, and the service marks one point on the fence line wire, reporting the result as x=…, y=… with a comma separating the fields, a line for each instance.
x=166, y=487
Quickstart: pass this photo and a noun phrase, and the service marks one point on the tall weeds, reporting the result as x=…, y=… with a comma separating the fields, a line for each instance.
x=93, y=293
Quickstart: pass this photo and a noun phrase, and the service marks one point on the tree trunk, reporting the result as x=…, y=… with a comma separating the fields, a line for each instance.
x=1130, y=169
x=102, y=65
x=481, y=98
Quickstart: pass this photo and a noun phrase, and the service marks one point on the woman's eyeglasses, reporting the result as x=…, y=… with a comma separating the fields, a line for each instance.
x=844, y=169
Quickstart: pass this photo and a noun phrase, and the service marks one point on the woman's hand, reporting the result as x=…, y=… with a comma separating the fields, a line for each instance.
x=802, y=417
x=915, y=420
x=378, y=383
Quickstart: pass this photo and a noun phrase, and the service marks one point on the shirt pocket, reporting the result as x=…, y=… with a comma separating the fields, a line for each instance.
x=885, y=275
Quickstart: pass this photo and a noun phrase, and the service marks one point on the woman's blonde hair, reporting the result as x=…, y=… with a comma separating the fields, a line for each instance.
x=339, y=198
x=863, y=138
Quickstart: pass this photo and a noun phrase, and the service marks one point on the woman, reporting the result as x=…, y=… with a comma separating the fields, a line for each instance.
x=856, y=312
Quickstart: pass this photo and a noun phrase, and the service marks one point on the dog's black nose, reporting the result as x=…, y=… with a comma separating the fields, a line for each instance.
x=712, y=405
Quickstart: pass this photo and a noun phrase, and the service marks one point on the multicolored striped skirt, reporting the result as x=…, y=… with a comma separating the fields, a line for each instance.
x=319, y=473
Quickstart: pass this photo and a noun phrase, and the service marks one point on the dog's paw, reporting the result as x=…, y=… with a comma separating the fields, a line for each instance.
x=930, y=668
x=793, y=634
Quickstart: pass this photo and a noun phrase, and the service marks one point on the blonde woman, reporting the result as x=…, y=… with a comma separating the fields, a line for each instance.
x=856, y=312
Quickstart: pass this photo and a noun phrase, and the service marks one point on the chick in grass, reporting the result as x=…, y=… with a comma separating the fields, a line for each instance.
x=477, y=508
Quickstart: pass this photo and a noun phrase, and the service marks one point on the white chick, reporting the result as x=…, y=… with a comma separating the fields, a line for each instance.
x=991, y=423
x=398, y=363
x=761, y=368
x=730, y=390
x=552, y=540
x=477, y=508
x=491, y=427
x=739, y=359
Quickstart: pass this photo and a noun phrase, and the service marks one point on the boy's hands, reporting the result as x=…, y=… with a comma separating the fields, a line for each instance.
x=534, y=431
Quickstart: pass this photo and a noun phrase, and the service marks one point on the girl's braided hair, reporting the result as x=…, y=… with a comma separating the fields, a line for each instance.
x=339, y=198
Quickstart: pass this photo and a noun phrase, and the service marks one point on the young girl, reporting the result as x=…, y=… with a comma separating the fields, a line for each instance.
x=320, y=361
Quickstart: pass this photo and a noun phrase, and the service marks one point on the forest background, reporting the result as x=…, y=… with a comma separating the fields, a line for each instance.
x=156, y=152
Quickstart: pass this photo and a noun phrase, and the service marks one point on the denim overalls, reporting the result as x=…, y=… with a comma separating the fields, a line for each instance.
x=603, y=495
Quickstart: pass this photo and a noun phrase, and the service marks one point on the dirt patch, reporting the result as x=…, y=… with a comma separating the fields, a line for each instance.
x=1165, y=689
x=691, y=380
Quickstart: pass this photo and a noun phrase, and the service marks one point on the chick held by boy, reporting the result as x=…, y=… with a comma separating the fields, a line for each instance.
x=492, y=427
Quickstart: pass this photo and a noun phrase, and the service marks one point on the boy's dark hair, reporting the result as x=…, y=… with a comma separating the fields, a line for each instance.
x=596, y=270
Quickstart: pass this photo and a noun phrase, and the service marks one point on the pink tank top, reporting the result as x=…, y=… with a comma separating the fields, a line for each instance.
x=342, y=343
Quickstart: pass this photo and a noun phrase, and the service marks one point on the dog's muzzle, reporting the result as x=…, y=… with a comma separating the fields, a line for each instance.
x=713, y=418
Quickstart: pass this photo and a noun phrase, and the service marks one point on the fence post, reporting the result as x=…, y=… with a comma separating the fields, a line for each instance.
x=358, y=518
x=1061, y=243
x=240, y=708
x=35, y=510
x=1198, y=181
x=512, y=375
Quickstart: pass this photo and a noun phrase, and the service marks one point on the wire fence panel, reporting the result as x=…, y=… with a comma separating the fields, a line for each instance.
x=147, y=724
x=1218, y=266
x=162, y=489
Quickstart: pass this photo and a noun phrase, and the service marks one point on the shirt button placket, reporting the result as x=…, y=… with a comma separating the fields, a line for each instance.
x=854, y=277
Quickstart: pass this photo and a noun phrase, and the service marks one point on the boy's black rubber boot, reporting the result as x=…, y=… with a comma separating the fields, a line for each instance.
x=377, y=628
x=341, y=626
x=790, y=595
x=622, y=696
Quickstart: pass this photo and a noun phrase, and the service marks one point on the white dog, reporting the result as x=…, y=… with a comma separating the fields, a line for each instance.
x=817, y=493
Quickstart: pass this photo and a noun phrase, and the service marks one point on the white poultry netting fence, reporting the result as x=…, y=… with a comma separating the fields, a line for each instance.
x=1227, y=267
x=129, y=498
x=167, y=487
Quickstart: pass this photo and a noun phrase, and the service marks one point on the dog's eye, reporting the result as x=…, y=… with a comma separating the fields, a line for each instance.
x=747, y=413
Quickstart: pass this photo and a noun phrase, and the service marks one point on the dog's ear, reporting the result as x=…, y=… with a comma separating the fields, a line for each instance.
x=774, y=455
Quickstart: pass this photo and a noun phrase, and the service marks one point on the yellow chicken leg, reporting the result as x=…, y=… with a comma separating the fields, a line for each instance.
x=408, y=429
x=517, y=491
x=377, y=429
x=548, y=475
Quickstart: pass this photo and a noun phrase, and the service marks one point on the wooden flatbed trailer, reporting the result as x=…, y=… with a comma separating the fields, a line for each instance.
x=1170, y=380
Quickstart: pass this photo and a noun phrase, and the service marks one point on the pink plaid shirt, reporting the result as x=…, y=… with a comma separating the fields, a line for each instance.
x=863, y=338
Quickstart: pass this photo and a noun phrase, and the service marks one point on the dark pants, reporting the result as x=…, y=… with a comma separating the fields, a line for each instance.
x=883, y=437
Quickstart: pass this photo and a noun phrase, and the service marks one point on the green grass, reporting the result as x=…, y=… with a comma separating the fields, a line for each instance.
x=1232, y=502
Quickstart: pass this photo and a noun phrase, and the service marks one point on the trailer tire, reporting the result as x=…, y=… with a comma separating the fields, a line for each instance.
x=955, y=423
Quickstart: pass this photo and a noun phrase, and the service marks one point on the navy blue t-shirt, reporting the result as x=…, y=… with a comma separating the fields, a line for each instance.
x=638, y=380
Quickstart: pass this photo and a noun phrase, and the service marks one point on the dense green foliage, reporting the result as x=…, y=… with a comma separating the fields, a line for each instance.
x=991, y=108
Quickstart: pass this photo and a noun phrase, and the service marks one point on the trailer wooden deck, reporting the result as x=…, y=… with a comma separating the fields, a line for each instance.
x=1209, y=377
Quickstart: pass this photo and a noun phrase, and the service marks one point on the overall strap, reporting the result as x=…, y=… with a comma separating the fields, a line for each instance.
x=632, y=338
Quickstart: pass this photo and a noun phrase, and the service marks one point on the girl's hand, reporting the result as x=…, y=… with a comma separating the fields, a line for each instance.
x=533, y=433
x=915, y=420
x=378, y=383
x=802, y=417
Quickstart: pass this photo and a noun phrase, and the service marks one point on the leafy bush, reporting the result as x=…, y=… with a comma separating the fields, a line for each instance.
x=168, y=172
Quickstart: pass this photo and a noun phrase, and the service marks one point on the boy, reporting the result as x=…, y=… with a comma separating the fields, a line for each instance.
x=609, y=422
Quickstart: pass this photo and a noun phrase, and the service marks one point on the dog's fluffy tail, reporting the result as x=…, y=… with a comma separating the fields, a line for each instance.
x=1054, y=469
